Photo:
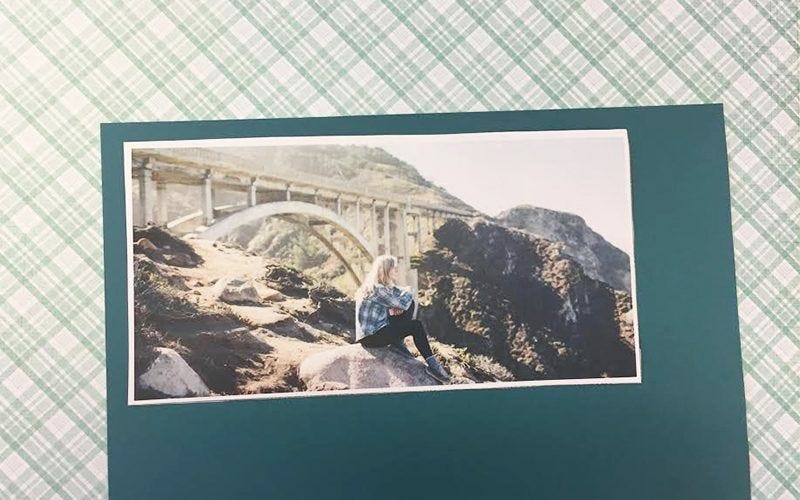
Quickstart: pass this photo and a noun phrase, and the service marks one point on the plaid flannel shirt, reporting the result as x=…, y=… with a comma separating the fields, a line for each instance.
x=372, y=313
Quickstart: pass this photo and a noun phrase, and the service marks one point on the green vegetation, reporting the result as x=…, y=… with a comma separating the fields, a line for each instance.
x=156, y=300
x=486, y=369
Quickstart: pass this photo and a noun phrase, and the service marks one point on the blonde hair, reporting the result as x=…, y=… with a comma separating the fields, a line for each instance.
x=379, y=274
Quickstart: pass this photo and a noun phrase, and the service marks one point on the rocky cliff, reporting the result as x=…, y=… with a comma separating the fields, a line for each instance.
x=522, y=302
x=600, y=259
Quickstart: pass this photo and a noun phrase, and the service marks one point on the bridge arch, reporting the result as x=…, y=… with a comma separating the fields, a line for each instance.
x=292, y=210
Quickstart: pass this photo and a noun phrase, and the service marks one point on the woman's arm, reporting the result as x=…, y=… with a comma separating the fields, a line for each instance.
x=393, y=297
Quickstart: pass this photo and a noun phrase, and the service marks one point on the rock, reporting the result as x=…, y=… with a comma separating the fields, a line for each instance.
x=169, y=374
x=161, y=245
x=358, y=367
x=331, y=386
x=176, y=259
x=286, y=279
x=259, y=315
x=458, y=380
x=627, y=317
x=144, y=245
x=332, y=306
x=236, y=291
x=600, y=259
x=269, y=294
x=148, y=248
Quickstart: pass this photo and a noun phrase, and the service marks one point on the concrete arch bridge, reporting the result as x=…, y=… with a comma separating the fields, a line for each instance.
x=230, y=195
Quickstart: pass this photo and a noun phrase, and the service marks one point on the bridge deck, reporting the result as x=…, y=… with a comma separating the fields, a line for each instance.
x=199, y=160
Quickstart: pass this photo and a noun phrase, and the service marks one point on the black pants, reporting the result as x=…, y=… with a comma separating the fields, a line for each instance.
x=400, y=327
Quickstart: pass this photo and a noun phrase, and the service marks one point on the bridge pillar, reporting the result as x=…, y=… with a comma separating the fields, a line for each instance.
x=146, y=193
x=373, y=226
x=251, y=193
x=208, y=199
x=358, y=214
x=418, y=218
x=316, y=197
x=386, y=231
x=288, y=192
x=162, y=217
x=413, y=282
x=403, y=246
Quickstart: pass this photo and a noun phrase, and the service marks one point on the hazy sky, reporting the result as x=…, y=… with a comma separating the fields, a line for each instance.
x=587, y=176
x=581, y=172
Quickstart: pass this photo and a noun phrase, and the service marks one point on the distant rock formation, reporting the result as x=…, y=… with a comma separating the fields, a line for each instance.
x=519, y=300
x=600, y=259
x=357, y=367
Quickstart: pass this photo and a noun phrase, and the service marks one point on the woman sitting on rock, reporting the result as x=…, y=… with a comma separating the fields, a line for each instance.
x=384, y=315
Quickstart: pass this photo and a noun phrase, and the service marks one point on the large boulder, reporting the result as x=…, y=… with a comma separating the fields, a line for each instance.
x=143, y=245
x=358, y=367
x=172, y=376
x=237, y=291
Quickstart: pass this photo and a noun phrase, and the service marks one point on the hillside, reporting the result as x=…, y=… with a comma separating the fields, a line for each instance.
x=356, y=165
x=238, y=323
x=221, y=320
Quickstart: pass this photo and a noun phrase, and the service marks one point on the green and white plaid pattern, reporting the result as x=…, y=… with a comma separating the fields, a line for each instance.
x=67, y=66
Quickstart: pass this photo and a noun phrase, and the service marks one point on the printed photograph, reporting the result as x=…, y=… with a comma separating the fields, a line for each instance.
x=331, y=265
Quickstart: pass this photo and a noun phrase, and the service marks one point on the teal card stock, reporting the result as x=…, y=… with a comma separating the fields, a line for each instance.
x=680, y=433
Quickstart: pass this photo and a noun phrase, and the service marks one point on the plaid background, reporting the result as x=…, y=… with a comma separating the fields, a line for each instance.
x=67, y=66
